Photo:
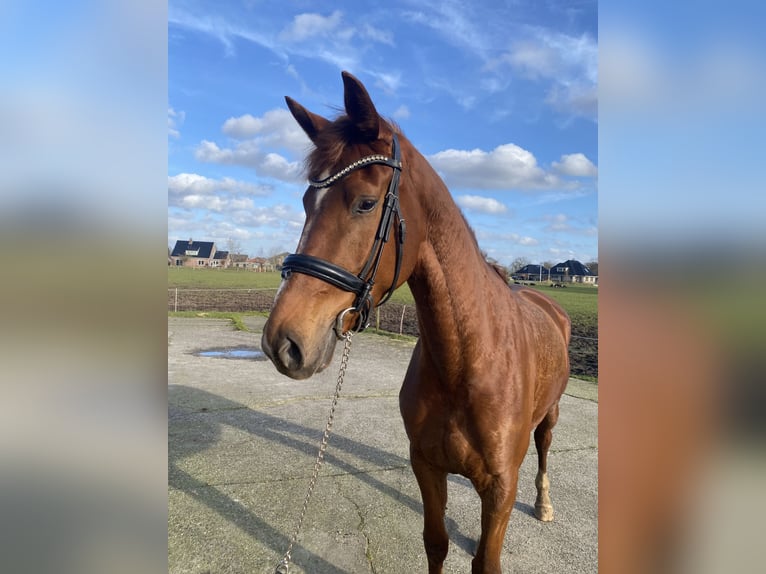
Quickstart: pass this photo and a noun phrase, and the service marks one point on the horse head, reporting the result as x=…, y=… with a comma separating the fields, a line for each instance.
x=352, y=252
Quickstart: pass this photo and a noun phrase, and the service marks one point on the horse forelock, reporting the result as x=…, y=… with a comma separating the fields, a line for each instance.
x=337, y=138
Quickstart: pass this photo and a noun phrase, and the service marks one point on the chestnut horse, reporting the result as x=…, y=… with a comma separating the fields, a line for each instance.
x=491, y=362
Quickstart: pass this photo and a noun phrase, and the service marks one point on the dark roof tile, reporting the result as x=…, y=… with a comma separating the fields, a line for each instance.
x=201, y=249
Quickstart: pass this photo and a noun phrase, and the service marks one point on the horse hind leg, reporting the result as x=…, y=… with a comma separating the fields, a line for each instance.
x=543, y=437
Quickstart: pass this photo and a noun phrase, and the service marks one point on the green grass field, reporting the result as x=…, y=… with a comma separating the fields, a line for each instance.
x=190, y=278
x=581, y=303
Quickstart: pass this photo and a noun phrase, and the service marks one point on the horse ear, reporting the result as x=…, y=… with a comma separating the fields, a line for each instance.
x=311, y=123
x=360, y=108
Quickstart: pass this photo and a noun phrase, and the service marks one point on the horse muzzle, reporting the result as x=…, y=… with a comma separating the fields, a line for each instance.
x=293, y=356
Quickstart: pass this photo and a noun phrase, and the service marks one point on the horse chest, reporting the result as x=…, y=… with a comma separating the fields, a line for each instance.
x=445, y=444
x=465, y=437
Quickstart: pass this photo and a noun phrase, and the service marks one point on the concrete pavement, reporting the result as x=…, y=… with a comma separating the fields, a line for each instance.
x=241, y=447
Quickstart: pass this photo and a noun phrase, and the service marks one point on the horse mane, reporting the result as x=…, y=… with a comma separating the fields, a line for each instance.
x=331, y=142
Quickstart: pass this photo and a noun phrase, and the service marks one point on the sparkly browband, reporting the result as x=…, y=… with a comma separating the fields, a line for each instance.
x=382, y=159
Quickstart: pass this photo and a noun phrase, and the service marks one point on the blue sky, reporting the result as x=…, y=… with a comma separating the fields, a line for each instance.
x=501, y=97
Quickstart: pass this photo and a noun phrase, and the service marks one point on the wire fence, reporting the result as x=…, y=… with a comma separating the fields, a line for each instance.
x=391, y=317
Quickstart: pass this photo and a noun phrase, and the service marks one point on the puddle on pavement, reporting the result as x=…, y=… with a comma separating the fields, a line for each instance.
x=232, y=353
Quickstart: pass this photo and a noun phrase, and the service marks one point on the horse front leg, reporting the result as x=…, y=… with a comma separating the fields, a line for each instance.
x=497, y=499
x=433, y=489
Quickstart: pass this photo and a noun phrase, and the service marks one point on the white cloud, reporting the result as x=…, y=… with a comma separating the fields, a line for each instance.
x=387, y=81
x=214, y=203
x=514, y=238
x=218, y=209
x=568, y=63
x=272, y=216
x=401, y=113
x=223, y=31
x=558, y=222
x=276, y=128
x=305, y=26
x=575, y=165
x=453, y=20
x=574, y=99
x=338, y=42
x=562, y=223
x=536, y=59
x=480, y=204
x=175, y=119
x=195, y=184
x=508, y=166
x=249, y=154
x=194, y=191
x=550, y=54
x=377, y=35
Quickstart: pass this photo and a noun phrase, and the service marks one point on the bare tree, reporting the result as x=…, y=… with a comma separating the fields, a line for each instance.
x=593, y=266
x=518, y=263
x=233, y=246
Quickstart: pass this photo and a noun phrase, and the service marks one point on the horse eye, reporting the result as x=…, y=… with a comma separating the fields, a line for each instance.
x=366, y=205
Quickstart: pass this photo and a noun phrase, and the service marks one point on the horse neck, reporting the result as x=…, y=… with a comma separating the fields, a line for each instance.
x=450, y=269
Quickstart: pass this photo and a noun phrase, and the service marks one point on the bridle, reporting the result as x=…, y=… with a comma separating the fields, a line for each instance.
x=361, y=285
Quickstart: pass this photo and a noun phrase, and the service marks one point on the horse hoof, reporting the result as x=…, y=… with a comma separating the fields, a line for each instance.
x=544, y=512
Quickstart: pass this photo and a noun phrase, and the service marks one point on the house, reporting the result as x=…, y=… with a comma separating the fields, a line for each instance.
x=531, y=273
x=198, y=254
x=221, y=259
x=572, y=271
x=238, y=260
x=276, y=260
x=260, y=264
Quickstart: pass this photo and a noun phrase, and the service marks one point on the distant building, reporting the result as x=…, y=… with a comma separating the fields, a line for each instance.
x=197, y=254
x=238, y=260
x=531, y=273
x=572, y=271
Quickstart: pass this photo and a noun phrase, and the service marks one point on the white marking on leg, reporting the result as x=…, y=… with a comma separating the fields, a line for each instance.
x=543, y=506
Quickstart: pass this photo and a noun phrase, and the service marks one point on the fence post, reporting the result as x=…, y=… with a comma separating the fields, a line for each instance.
x=401, y=321
x=175, y=304
x=377, y=319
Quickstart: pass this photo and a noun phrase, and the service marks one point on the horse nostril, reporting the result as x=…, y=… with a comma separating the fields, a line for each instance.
x=290, y=354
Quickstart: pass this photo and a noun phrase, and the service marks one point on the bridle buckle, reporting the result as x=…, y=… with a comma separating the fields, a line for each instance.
x=359, y=325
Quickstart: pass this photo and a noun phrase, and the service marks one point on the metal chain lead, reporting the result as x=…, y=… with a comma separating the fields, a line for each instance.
x=283, y=566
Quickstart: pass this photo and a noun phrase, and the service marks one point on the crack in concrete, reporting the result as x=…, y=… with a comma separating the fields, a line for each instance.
x=361, y=528
x=574, y=449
